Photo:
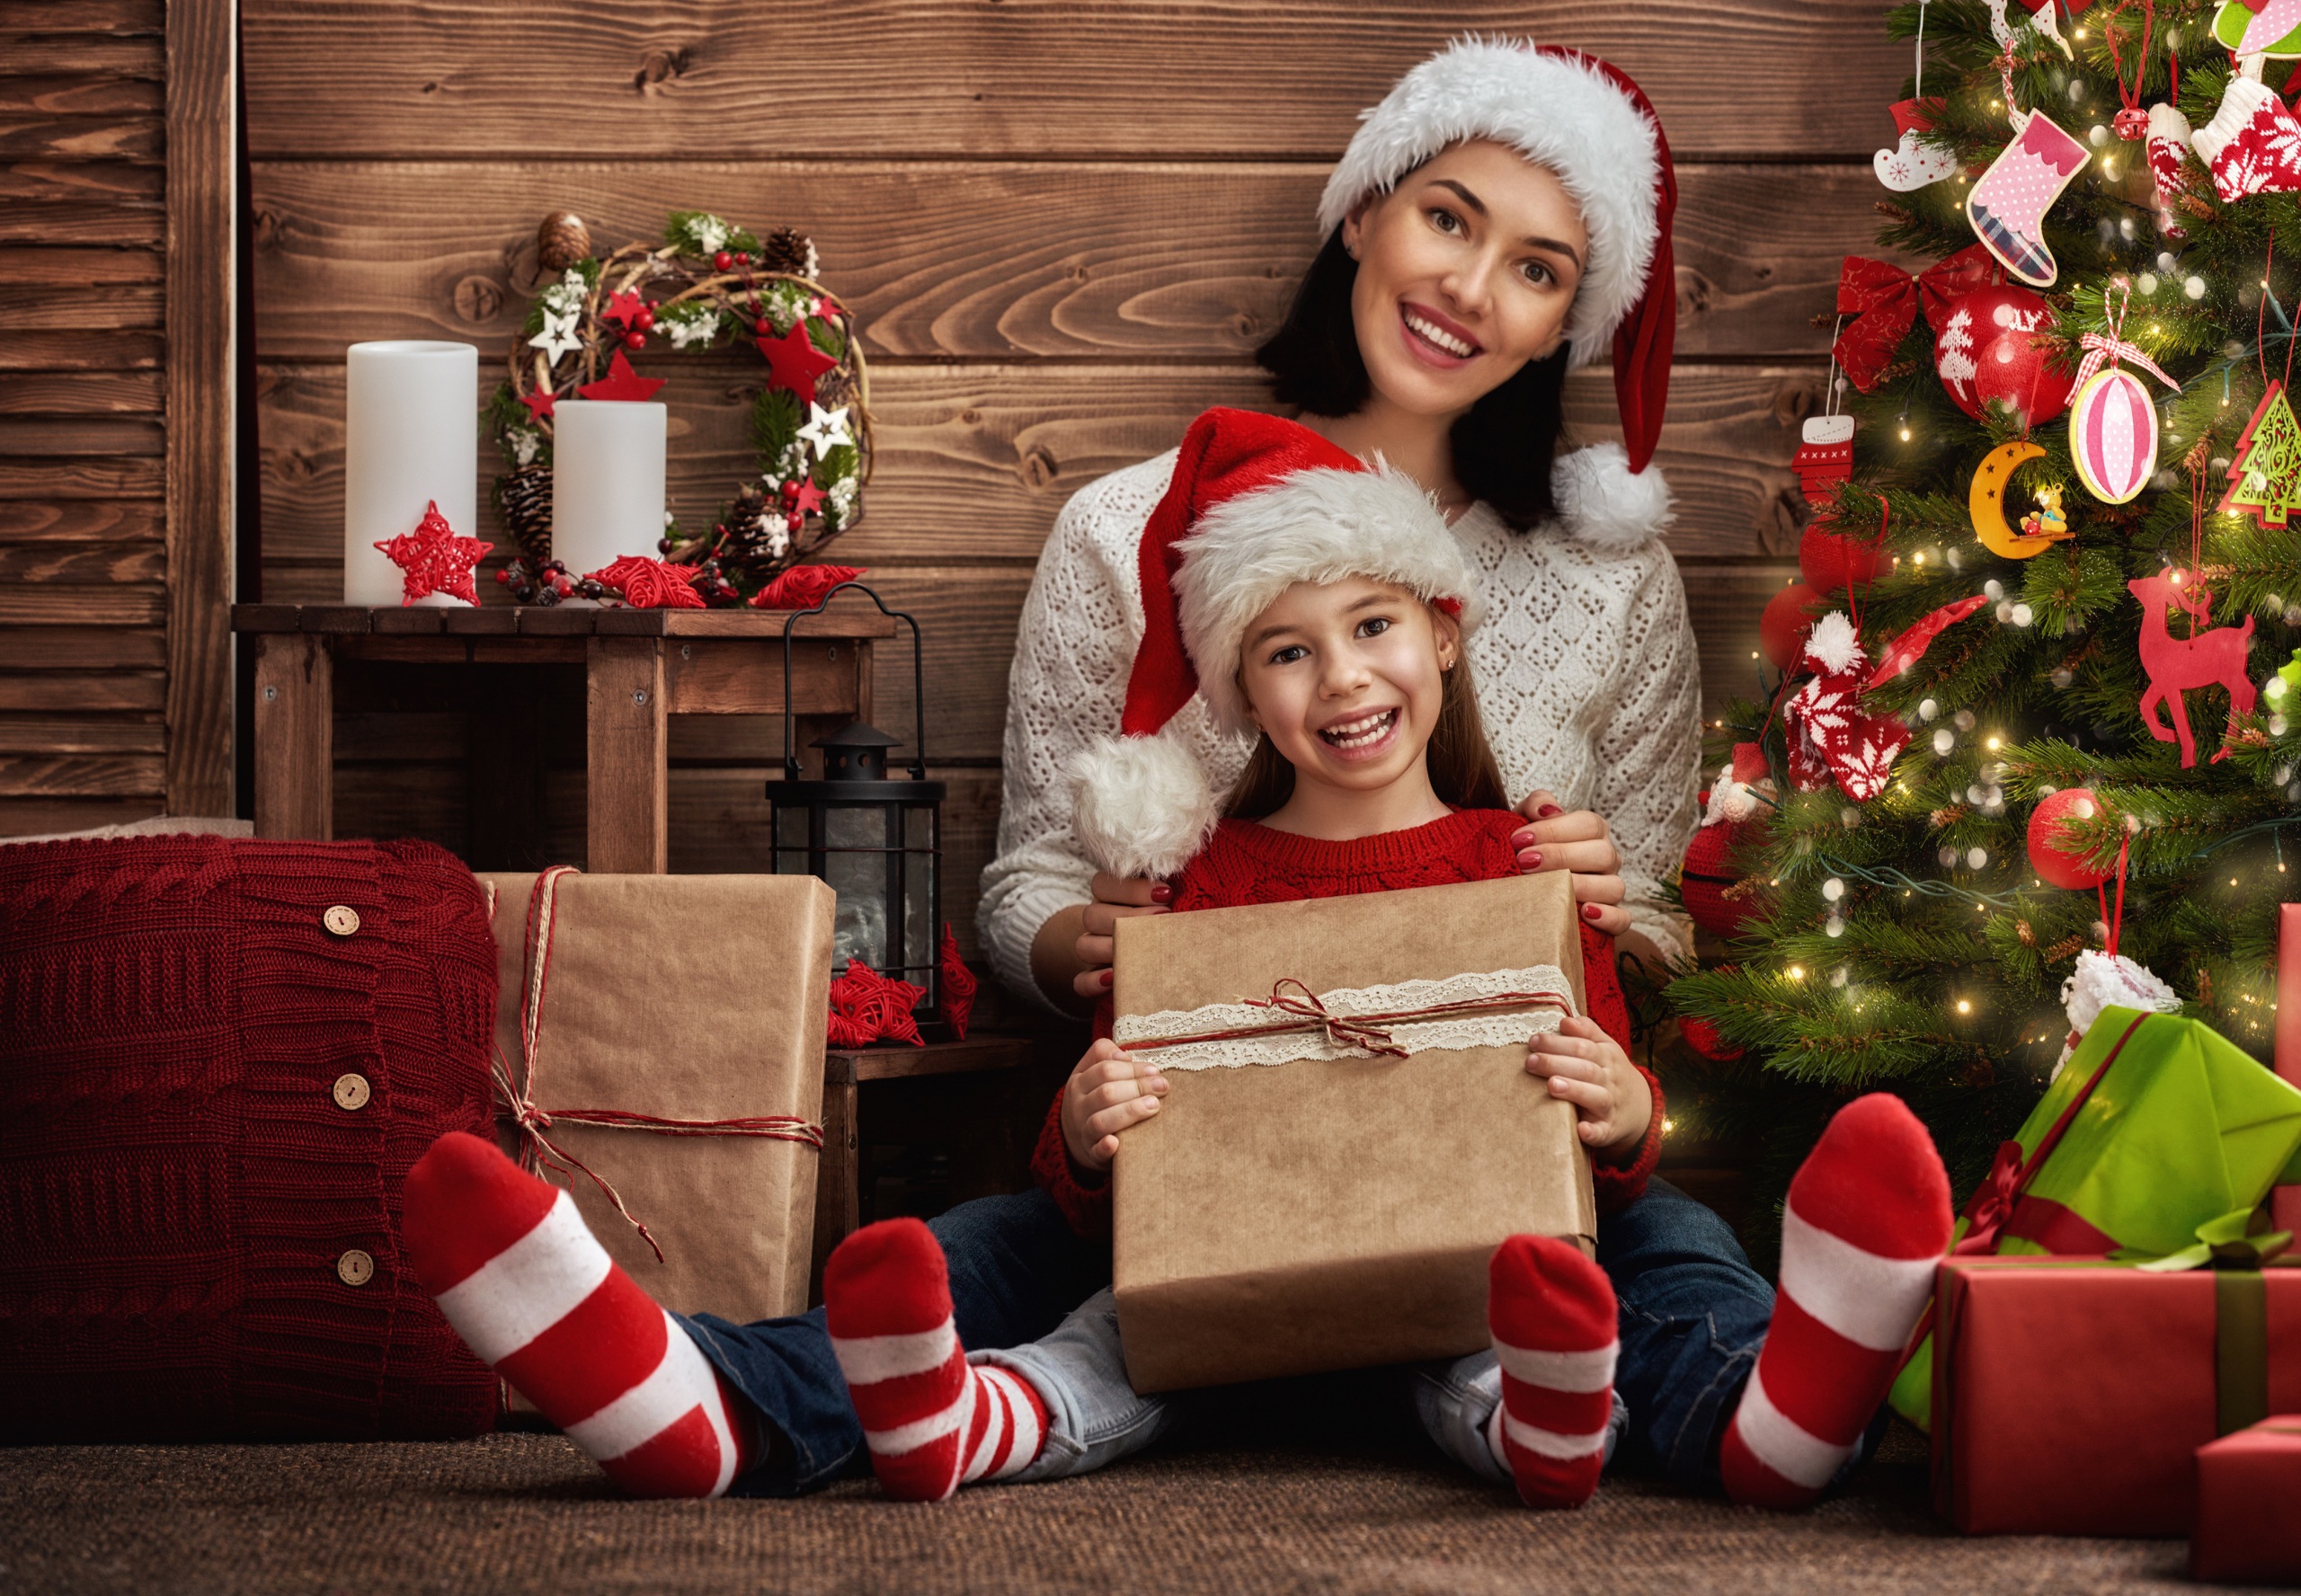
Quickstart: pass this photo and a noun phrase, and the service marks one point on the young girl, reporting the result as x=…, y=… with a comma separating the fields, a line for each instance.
x=1323, y=605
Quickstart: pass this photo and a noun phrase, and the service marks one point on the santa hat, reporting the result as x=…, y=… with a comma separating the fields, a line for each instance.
x=1257, y=504
x=1585, y=120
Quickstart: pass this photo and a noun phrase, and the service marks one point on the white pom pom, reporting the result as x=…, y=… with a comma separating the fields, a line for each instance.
x=2100, y=981
x=1143, y=806
x=1601, y=500
x=1832, y=647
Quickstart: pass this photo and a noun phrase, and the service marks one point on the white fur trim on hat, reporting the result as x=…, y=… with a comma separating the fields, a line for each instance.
x=1601, y=500
x=1559, y=113
x=1315, y=525
x=1141, y=805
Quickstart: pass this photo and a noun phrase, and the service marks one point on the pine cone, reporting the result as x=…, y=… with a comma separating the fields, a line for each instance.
x=561, y=241
x=525, y=499
x=788, y=250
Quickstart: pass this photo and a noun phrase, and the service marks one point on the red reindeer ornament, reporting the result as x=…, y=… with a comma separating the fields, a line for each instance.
x=2176, y=664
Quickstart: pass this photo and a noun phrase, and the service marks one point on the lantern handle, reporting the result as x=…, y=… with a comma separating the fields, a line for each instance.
x=918, y=682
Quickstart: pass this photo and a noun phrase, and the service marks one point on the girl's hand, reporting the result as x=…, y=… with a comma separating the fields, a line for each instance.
x=1108, y=1092
x=1580, y=843
x=1613, y=1103
x=1116, y=898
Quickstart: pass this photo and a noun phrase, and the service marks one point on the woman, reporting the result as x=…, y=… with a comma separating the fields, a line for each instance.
x=1502, y=215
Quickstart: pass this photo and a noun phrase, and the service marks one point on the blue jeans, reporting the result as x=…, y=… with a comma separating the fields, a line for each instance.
x=1015, y=1268
x=1693, y=1315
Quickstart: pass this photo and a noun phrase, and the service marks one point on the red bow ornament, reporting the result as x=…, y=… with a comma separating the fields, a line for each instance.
x=1884, y=300
x=1830, y=738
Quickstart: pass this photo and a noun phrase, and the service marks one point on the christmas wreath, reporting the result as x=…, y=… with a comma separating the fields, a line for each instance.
x=708, y=285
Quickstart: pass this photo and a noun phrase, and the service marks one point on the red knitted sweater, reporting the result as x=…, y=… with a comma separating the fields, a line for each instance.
x=218, y=1059
x=1245, y=863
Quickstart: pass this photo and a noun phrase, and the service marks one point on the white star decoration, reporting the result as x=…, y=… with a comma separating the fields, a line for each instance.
x=825, y=429
x=558, y=335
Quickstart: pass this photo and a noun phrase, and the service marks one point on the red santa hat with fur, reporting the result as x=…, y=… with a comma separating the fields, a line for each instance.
x=1257, y=504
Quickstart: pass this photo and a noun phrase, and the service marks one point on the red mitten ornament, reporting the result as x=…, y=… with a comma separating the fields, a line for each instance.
x=2171, y=165
x=1830, y=737
x=437, y=560
x=2253, y=144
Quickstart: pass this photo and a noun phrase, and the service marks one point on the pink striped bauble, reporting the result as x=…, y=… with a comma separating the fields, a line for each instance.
x=2113, y=435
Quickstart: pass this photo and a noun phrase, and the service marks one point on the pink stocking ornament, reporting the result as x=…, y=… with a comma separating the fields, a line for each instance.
x=2007, y=207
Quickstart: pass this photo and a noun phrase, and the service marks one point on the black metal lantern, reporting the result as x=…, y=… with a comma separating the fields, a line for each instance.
x=878, y=842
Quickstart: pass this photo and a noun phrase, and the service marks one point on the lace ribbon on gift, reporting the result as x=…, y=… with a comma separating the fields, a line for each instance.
x=1490, y=1009
x=516, y=1096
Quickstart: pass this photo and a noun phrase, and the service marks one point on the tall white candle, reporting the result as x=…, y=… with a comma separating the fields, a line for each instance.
x=606, y=480
x=411, y=438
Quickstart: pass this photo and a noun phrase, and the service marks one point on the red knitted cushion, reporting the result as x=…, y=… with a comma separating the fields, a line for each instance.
x=212, y=1085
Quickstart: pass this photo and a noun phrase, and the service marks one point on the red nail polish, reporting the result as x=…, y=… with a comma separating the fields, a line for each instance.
x=1107, y=976
x=1532, y=858
x=1548, y=809
x=1523, y=839
x=1162, y=893
x=1591, y=911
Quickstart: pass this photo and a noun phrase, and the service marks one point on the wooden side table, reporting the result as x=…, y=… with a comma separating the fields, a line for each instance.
x=839, y=1181
x=640, y=666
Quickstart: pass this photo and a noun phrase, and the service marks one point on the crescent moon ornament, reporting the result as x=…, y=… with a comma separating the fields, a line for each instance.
x=1985, y=503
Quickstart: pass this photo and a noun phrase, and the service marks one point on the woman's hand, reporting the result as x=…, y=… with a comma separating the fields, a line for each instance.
x=1613, y=1103
x=1110, y=1091
x=1116, y=898
x=1580, y=843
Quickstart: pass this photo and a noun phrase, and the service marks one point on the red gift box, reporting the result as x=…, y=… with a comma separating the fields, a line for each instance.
x=2070, y=1394
x=2245, y=1529
x=2285, y=1203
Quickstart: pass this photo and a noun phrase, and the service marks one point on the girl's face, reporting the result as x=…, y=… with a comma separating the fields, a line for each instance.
x=1466, y=271
x=1346, y=678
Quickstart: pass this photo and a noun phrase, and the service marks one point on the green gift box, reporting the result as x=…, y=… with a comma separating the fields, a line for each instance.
x=2158, y=1130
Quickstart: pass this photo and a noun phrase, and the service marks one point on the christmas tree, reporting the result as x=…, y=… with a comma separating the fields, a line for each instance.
x=1900, y=926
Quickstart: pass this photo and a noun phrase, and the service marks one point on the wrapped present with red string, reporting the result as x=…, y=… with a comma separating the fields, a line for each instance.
x=681, y=1107
x=2158, y=1136
x=2072, y=1395
x=1349, y=1129
x=2242, y=1529
x=2285, y=1203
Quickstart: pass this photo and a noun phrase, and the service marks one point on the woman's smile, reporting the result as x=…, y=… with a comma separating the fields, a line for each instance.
x=1436, y=339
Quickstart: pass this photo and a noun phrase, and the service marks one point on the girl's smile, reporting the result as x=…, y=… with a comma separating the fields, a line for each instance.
x=1363, y=735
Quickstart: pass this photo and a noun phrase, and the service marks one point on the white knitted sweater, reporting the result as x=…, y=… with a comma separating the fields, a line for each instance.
x=1586, y=670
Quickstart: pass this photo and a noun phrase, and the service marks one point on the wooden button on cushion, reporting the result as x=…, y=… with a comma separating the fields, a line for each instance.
x=341, y=921
x=351, y=1091
x=355, y=1268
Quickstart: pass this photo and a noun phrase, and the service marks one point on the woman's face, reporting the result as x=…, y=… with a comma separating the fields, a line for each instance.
x=1466, y=271
x=1346, y=678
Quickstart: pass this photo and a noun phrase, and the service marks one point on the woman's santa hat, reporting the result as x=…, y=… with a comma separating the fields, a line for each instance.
x=1257, y=504
x=1585, y=120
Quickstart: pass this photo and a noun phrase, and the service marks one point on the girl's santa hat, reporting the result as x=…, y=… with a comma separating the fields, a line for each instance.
x=1585, y=120
x=1257, y=504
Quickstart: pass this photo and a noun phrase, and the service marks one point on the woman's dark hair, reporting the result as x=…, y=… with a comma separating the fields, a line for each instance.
x=1503, y=448
x=1462, y=770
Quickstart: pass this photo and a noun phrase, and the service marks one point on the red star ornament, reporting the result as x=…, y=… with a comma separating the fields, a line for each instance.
x=436, y=559
x=650, y=584
x=539, y=403
x=794, y=362
x=866, y=1006
x=621, y=383
x=621, y=307
x=809, y=499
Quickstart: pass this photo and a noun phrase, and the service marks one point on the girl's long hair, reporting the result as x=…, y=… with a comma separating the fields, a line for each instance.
x=1462, y=771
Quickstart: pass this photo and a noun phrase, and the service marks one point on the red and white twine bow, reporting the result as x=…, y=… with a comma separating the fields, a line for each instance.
x=516, y=1096
x=2103, y=349
x=1367, y=1033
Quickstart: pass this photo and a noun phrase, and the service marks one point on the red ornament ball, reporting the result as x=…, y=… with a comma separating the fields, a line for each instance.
x=635, y=339
x=1987, y=352
x=1782, y=629
x=2050, y=856
x=742, y=257
x=644, y=318
x=722, y=261
x=793, y=522
x=1829, y=560
x=1710, y=869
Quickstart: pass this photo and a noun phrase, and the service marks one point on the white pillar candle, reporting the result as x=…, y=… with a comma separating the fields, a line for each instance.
x=606, y=480
x=411, y=440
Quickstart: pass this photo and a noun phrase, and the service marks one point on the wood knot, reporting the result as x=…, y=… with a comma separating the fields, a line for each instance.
x=1038, y=469
x=659, y=68
x=477, y=299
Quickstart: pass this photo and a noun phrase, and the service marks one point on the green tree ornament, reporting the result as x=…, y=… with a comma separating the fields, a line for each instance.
x=2265, y=478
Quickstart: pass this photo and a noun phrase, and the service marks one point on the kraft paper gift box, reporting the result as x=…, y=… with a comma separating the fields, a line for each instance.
x=2158, y=1130
x=1301, y=1205
x=695, y=998
x=2070, y=1394
x=2245, y=1529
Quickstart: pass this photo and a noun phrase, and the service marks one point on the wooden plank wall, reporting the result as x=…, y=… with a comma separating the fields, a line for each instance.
x=1064, y=226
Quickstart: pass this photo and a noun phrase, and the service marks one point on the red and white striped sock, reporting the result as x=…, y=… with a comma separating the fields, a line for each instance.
x=933, y=1421
x=531, y=1291
x=1552, y=1313
x=1867, y=1220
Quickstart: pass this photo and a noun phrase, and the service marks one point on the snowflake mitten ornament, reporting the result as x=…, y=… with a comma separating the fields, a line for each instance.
x=2253, y=144
x=1910, y=165
x=1830, y=736
x=2168, y=146
x=2007, y=207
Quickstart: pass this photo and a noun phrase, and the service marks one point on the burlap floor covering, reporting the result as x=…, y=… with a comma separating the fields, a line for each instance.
x=522, y=1512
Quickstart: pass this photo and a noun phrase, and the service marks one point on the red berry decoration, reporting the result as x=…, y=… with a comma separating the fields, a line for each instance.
x=722, y=261
x=1782, y=629
x=2054, y=855
x=644, y=318
x=794, y=521
x=635, y=339
x=742, y=257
